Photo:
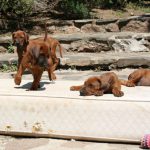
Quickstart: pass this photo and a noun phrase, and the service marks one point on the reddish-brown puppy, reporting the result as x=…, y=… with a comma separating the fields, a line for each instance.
x=53, y=44
x=21, y=40
x=140, y=77
x=106, y=83
x=36, y=58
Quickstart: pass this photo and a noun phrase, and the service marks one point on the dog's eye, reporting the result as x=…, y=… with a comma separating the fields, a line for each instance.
x=90, y=85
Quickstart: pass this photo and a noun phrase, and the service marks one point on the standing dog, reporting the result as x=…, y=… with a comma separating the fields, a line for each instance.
x=34, y=55
x=21, y=40
x=140, y=77
x=36, y=58
x=106, y=83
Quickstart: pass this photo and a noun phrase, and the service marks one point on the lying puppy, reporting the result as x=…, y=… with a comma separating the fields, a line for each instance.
x=140, y=77
x=106, y=83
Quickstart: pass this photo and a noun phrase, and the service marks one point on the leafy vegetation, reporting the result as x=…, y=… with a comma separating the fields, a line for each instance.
x=16, y=8
x=8, y=68
x=72, y=9
x=10, y=48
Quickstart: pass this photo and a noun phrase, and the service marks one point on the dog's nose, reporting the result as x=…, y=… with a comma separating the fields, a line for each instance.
x=16, y=42
x=82, y=93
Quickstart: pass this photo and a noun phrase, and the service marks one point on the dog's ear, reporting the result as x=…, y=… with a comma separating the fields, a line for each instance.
x=26, y=37
x=99, y=83
x=13, y=37
x=103, y=85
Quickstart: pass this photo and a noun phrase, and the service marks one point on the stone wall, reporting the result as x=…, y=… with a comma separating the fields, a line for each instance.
x=91, y=35
x=36, y=25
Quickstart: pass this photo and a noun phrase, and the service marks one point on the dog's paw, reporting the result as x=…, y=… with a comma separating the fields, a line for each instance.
x=99, y=93
x=32, y=88
x=130, y=84
x=118, y=93
x=17, y=80
x=52, y=77
x=72, y=88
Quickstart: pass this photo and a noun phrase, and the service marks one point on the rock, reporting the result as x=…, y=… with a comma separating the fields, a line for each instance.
x=104, y=22
x=89, y=46
x=36, y=30
x=72, y=29
x=51, y=29
x=112, y=27
x=92, y=28
x=3, y=49
x=136, y=26
x=80, y=23
x=133, y=62
x=66, y=29
x=129, y=44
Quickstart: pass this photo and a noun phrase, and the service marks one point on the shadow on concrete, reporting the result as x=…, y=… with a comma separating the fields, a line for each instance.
x=28, y=85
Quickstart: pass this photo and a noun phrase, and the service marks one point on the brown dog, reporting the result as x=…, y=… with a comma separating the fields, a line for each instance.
x=140, y=77
x=34, y=55
x=21, y=40
x=53, y=43
x=36, y=58
x=106, y=83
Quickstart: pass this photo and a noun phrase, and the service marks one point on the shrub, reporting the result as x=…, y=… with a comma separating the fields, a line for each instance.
x=16, y=8
x=75, y=9
x=10, y=48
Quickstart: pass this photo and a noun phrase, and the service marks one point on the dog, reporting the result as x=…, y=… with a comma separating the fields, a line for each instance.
x=53, y=44
x=21, y=40
x=99, y=85
x=36, y=58
x=140, y=77
x=34, y=55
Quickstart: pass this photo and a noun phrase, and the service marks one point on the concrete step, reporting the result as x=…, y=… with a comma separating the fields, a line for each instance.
x=96, y=61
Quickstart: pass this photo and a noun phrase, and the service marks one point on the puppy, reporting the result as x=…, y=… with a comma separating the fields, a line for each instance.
x=140, y=77
x=106, y=83
x=36, y=59
x=53, y=44
x=21, y=40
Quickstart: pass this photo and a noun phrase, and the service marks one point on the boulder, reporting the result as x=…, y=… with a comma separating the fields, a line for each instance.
x=136, y=26
x=92, y=28
x=112, y=27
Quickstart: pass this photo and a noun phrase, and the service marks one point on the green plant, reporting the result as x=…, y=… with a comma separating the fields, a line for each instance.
x=139, y=7
x=10, y=48
x=75, y=9
x=16, y=8
x=8, y=68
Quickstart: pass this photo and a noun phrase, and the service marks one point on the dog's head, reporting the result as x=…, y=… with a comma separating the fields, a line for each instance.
x=20, y=38
x=92, y=86
x=39, y=56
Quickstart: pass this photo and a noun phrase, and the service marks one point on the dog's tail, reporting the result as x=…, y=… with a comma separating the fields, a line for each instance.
x=45, y=38
x=60, y=49
x=123, y=82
